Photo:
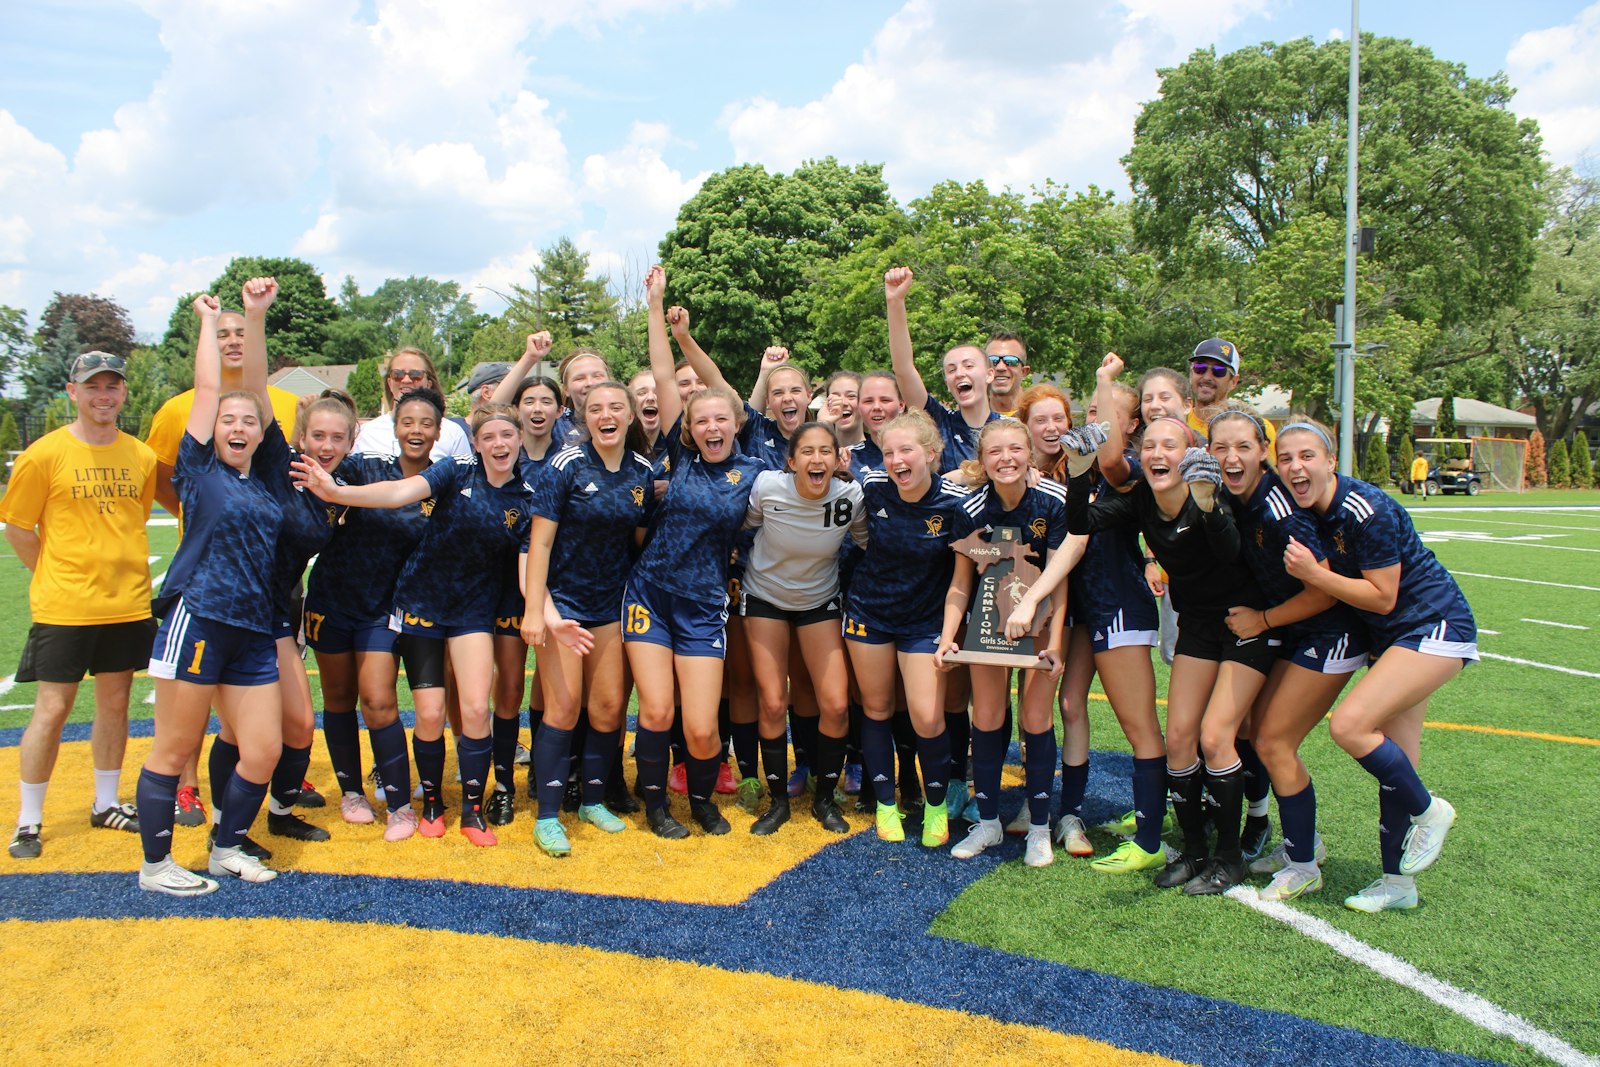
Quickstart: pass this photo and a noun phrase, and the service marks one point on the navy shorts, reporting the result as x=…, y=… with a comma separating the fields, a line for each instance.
x=915, y=644
x=688, y=627
x=207, y=652
x=404, y=622
x=1137, y=625
x=1327, y=652
x=1450, y=638
x=336, y=633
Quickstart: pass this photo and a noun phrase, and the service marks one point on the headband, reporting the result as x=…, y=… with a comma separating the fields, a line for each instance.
x=1260, y=428
x=1310, y=428
x=1187, y=429
x=497, y=415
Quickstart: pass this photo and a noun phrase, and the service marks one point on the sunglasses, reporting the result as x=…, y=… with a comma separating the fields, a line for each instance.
x=1010, y=361
x=1216, y=370
x=407, y=375
x=98, y=361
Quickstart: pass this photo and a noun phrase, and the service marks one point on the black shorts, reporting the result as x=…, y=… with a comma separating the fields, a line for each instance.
x=423, y=658
x=1210, y=639
x=64, y=654
x=753, y=607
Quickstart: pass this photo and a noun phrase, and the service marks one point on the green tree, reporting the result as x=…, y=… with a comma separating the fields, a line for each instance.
x=428, y=314
x=350, y=340
x=57, y=413
x=1444, y=424
x=1408, y=455
x=49, y=364
x=1582, y=463
x=14, y=344
x=365, y=387
x=100, y=324
x=10, y=441
x=565, y=300
x=1535, y=468
x=145, y=422
x=297, y=322
x=1559, y=466
x=155, y=375
x=1375, y=464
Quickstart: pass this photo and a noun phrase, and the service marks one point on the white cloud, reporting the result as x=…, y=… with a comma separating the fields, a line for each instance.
x=1557, y=75
x=150, y=286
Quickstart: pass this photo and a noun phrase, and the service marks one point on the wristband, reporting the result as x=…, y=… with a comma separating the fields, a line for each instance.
x=1264, y=621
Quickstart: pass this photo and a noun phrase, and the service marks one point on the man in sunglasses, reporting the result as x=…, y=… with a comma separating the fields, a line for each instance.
x=1213, y=374
x=75, y=513
x=1008, y=358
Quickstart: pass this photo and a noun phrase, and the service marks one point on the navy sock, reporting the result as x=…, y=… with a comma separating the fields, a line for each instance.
x=342, y=733
x=1009, y=723
x=599, y=752
x=988, y=756
x=1256, y=783
x=775, y=765
x=1189, y=806
x=650, y=749
x=852, y=751
x=1390, y=765
x=747, y=749
x=506, y=734
x=680, y=747
x=580, y=738
x=615, y=779
x=1393, y=822
x=1224, y=793
x=155, y=795
x=290, y=774
x=474, y=754
x=535, y=720
x=933, y=753
x=1298, y=814
x=702, y=778
x=240, y=802
x=804, y=731
x=430, y=769
x=877, y=758
x=1149, y=800
x=958, y=726
x=394, y=766
x=219, y=768
x=551, y=754
x=1074, y=783
x=724, y=726
x=1039, y=771
x=905, y=750
x=828, y=763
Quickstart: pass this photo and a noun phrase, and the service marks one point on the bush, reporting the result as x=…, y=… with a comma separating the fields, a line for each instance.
x=1375, y=466
x=1559, y=467
x=365, y=387
x=1534, y=472
x=1582, y=464
x=1408, y=455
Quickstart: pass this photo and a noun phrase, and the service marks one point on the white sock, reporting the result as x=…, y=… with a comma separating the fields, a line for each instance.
x=1257, y=808
x=31, y=811
x=278, y=809
x=106, y=785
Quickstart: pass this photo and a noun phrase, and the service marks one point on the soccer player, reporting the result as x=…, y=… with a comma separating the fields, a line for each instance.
x=75, y=513
x=967, y=375
x=404, y=370
x=1008, y=363
x=215, y=641
x=1423, y=634
x=581, y=370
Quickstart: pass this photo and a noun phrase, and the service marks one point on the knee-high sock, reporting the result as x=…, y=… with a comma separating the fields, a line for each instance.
x=828, y=763
x=775, y=766
x=552, y=753
x=852, y=750
x=506, y=734
x=289, y=775
x=1149, y=800
x=1039, y=771
x=1074, y=784
x=155, y=795
x=240, y=803
x=702, y=778
x=219, y=768
x=1257, y=785
x=341, y=731
x=474, y=754
x=1390, y=765
x=905, y=750
x=680, y=746
x=1393, y=822
x=933, y=753
x=650, y=750
x=615, y=779
x=580, y=740
x=725, y=726
x=958, y=725
x=988, y=757
x=877, y=758
x=1298, y=814
x=747, y=749
x=803, y=729
x=600, y=750
x=535, y=720
x=1188, y=805
x=394, y=765
x=1224, y=793
x=430, y=769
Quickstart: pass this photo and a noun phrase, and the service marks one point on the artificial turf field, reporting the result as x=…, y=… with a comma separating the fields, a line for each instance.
x=804, y=946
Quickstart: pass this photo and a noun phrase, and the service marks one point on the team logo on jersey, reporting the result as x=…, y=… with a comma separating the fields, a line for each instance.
x=591, y=488
x=511, y=515
x=427, y=508
x=935, y=525
x=1261, y=537
x=1338, y=543
x=637, y=492
x=1038, y=527
x=333, y=515
x=733, y=477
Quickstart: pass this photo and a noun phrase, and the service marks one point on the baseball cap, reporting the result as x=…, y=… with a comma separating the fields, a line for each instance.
x=1215, y=348
x=487, y=374
x=88, y=364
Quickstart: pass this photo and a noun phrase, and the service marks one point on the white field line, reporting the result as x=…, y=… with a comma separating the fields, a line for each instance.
x=1439, y=535
x=7, y=683
x=1547, y=622
x=162, y=522
x=1491, y=633
x=1536, y=663
x=16, y=707
x=1527, y=581
x=1469, y=1006
x=1525, y=509
x=1506, y=522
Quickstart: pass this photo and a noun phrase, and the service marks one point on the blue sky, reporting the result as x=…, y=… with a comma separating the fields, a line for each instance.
x=143, y=145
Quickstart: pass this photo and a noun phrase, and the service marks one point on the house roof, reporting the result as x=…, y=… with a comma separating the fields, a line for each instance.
x=309, y=381
x=1472, y=413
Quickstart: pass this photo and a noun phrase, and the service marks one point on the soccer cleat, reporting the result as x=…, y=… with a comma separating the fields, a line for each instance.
x=237, y=863
x=474, y=829
x=984, y=835
x=401, y=825
x=749, y=795
x=825, y=809
x=25, y=845
x=775, y=816
x=356, y=809
x=188, y=810
x=1425, y=839
x=970, y=811
x=1037, y=852
x=1219, y=876
x=1020, y=823
x=866, y=803
x=678, y=778
x=309, y=797
x=620, y=800
x=1180, y=871
x=891, y=823
x=956, y=797
x=935, y=825
x=169, y=878
x=1254, y=837
x=523, y=756
x=295, y=828
x=662, y=824
x=432, y=821
x=502, y=807
x=572, y=799
x=1129, y=857
x=710, y=819
x=1072, y=837
x=551, y=837
x=600, y=817
x=1392, y=891
x=1278, y=858
x=1128, y=825
x=850, y=781
x=116, y=817
x=727, y=781
x=800, y=780
x=248, y=845
x=1292, y=881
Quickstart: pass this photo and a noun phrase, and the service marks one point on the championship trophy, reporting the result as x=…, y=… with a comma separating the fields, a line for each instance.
x=1004, y=575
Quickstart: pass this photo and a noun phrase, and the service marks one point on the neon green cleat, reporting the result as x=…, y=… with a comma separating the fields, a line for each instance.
x=1128, y=858
x=935, y=825
x=601, y=817
x=749, y=795
x=1128, y=825
x=551, y=836
x=890, y=826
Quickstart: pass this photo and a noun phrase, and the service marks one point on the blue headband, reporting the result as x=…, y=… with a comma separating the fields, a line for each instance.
x=1260, y=429
x=1313, y=429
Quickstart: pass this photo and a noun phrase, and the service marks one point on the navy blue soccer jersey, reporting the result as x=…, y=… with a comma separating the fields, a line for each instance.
x=1365, y=530
x=1040, y=516
x=761, y=438
x=468, y=547
x=1110, y=576
x=223, y=567
x=899, y=586
x=308, y=527
x=598, y=511
x=696, y=526
x=1266, y=522
x=567, y=431
x=355, y=573
x=864, y=457
x=960, y=440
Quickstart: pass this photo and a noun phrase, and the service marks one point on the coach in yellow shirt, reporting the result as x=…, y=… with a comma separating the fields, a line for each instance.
x=75, y=513
x=1213, y=374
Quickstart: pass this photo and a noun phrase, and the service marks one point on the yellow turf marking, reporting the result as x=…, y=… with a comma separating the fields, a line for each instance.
x=592, y=1006
x=634, y=863
x=1561, y=738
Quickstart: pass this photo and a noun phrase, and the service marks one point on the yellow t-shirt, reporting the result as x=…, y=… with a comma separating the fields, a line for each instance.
x=90, y=504
x=172, y=419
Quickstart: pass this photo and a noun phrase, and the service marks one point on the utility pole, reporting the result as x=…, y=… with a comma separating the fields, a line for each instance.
x=1345, y=360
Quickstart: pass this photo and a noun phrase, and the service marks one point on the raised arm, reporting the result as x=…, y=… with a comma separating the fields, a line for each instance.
x=537, y=348
x=775, y=356
x=710, y=373
x=1113, y=460
x=258, y=294
x=896, y=284
x=207, y=371
x=668, y=404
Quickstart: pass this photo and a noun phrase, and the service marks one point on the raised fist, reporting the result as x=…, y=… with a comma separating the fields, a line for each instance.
x=678, y=319
x=259, y=293
x=896, y=283
x=655, y=284
x=539, y=345
x=775, y=354
x=1082, y=443
x=206, y=306
x=1110, y=368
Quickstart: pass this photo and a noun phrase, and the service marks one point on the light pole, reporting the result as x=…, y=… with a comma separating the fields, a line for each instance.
x=1345, y=347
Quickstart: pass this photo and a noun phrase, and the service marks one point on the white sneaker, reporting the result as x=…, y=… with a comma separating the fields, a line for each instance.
x=1293, y=881
x=356, y=809
x=1038, y=852
x=984, y=834
x=1397, y=891
x=231, y=863
x=1278, y=858
x=1425, y=839
x=1073, y=837
x=167, y=877
x=1020, y=823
